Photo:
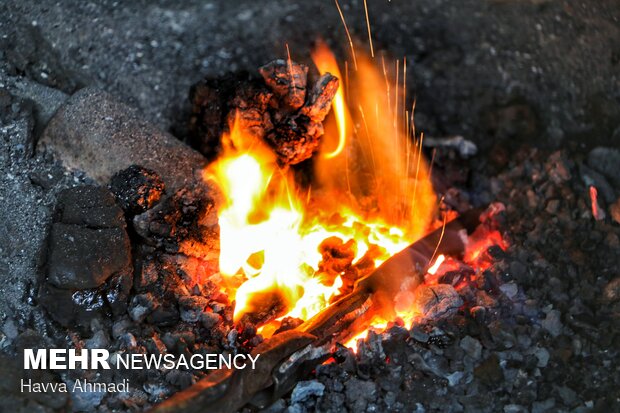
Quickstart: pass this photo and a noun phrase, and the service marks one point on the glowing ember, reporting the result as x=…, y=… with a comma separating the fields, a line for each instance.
x=377, y=325
x=433, y=268
x=597, y=212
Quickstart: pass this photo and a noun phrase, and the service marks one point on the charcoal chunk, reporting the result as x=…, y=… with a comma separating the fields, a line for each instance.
x=91, y=206
x=437, y=301
x=89, y=266
x=184, y=222
x=192, y=307
x=82, y=257
x=77, y=308
x=607, y=162
x=69, y=307
x=295, y=140
x=320, y=97
x=137, y=189
x=165, y=315
x=117, y=292
x=287, y=80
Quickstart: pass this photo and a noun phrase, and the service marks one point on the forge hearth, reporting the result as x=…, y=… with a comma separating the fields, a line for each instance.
x=175, y=280
x=434, y=232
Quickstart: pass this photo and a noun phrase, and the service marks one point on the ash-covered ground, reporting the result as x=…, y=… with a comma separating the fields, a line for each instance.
x=519, y=78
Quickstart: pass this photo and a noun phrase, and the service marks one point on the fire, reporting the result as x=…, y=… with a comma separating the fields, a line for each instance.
x=371, y=191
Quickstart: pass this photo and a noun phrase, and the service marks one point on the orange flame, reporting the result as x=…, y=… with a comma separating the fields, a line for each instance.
x=326, y=63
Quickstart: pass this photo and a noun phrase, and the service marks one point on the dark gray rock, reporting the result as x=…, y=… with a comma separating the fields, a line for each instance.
x=142, y=305
x=97, y=134
x=542, y=354
x=164, y=315
x=306, y=389
x=127, y=341
x=192, y=307
x=509, y=289
x=359, y=393
x=89, y=268
x=607, y=162
x=419, y=334
x=10, y=329
x=471, y=346
x=209, y=319
x=553, y=323
x=543, y=406
x=99, y=340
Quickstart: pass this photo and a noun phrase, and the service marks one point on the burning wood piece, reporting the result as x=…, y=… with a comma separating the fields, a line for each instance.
x=228, y=390
x=287, y=80
x=280, y=108
x=288, y=323
x=296, y=352
x=337, y=255
x=320, y=98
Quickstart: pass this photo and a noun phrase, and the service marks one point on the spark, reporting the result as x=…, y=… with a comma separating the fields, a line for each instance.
x=346, y=29
x=443, y=231
x=372, y=51
x=417, y=173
